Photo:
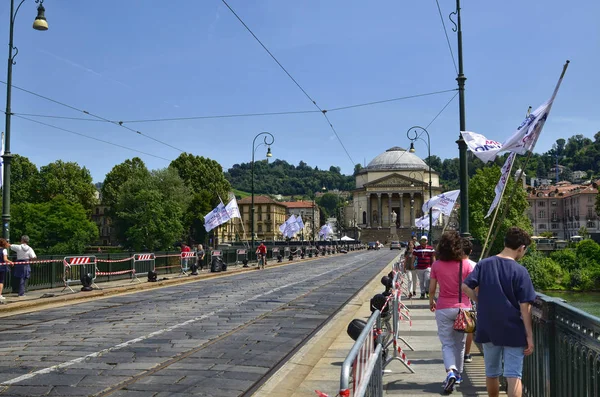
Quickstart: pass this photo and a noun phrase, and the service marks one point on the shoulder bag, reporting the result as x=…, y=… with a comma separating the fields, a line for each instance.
x=466, y=319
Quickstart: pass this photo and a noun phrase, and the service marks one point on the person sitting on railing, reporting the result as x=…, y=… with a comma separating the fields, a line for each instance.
x=448, y=272
x=503, y=301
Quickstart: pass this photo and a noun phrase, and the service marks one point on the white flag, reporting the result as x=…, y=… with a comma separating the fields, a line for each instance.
x=527, y=134
x=233, y=211
x=423, y=222
x=444, y=202
x=216, y=217
x=299, y=222
x=284, y=225
x=484, y=149
x=504, y=175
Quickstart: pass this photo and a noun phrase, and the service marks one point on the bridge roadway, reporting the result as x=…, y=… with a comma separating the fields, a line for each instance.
x=216, y=337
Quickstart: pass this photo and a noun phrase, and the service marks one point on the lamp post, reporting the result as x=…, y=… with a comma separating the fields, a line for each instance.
x=413, y=135
x=413, y=175
x=268, y=141
x=39, y=23
x=463, y=174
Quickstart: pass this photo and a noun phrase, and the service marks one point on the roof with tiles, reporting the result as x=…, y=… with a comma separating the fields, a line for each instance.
x=259, y=200
x=562, y=189
x=298, y=204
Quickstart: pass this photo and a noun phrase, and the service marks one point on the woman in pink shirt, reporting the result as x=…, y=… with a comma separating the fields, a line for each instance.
x=445, y=272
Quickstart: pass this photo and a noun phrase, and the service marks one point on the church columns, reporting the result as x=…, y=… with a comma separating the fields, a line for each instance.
x=389, y=209
x=379, y=214
x=401, y=210
x=412, y=209
x=369, y=212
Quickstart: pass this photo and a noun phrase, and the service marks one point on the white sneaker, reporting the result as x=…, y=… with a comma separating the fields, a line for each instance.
x=2, y=298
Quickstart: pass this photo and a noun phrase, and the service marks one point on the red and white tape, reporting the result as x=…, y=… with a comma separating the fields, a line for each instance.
x=132, y=271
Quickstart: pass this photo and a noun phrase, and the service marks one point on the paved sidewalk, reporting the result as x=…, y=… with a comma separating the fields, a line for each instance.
x=318, y=363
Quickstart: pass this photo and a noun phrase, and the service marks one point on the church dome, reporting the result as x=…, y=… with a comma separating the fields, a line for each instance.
x=397, y=158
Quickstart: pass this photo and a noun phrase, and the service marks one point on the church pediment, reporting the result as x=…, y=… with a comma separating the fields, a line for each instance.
x=395, y=180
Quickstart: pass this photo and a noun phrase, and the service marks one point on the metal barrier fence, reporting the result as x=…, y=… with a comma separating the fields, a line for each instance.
x=362, y=370
x=78, y=267
x=143, y=264
x=566, y=354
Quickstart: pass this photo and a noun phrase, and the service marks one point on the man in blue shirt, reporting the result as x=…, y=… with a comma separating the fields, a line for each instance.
x=504, y=312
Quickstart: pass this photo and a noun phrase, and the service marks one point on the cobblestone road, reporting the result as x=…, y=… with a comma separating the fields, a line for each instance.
x=218, y=337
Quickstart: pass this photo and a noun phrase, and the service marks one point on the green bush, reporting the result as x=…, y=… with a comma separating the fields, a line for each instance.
x=581, y=279
x=588, y=249
x=565, y=258
x=544, y=272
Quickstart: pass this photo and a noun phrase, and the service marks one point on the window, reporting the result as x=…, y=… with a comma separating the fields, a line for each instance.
x=555, y=226
x=542, y=226
x=591, y=224
x=590, y=197
x=553, y=203
x=554, y=216
x=260, y=228
x=541, y=204
x=268, y=227
x=260, y=216
x=590, y=212
x=542, y=214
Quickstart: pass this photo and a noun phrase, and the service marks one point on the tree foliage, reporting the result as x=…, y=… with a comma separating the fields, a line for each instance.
x=121, y=173
x=69, y=180
x=481, y=195
x=24, y=181
x=57, y=226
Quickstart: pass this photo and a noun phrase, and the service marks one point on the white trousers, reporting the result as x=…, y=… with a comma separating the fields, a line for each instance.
x=453, y=343
x=412, y=278
x=424, y=279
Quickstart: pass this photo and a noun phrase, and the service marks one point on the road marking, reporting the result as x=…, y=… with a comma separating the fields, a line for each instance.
x=162, y=331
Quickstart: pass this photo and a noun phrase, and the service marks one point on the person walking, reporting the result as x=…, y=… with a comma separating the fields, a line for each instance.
x=4, y=263
x=467, y=249
x=425, y=256
x=409, y=268
x=22, y=271
x=504, y=312
x=448, y=272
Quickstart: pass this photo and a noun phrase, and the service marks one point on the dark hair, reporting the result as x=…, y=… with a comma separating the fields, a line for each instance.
x=516, y=237
x=4, y=243
x=450, y=247
x=467, y=246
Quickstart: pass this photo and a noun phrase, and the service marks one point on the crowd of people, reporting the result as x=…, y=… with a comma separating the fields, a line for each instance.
x=500, y=289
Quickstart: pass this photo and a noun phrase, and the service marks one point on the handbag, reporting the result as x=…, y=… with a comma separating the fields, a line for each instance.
x=466, y=319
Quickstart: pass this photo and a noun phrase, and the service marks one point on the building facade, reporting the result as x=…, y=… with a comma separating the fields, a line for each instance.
x=106, y=234
x=395, y=184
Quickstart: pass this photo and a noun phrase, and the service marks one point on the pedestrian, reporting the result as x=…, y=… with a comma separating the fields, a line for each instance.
x=425, y=256
x=4, y=263
x=184, y=248
x=200, y=257
x=22, y=271
x=467, y=249
x=409, y=268
x=448, y=272
x=504, y=312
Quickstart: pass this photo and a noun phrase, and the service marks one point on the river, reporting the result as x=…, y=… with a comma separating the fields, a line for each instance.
x=586, y=301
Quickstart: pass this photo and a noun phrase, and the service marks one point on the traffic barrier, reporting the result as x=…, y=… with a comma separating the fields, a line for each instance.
x=274, y=253
x=240, y=256
x=143, y=264
x=286, y=252
x=77, y=266
x=168, y=267
x=185, y=259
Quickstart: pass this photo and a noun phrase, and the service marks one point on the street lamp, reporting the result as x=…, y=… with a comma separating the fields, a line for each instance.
x=413, y=175
x=413, y=135
x=39, y=23
x=268, y=141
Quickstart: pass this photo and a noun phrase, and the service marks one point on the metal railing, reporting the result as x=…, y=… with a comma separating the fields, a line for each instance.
x=48, y=270
x=566, y=357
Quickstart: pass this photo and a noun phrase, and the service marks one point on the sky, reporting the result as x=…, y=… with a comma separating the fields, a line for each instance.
x=130, y=60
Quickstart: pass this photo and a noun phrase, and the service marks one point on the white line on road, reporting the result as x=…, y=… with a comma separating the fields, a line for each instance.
x=162, y=331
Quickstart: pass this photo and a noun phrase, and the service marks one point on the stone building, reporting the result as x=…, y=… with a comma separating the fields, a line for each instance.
x=395, y=181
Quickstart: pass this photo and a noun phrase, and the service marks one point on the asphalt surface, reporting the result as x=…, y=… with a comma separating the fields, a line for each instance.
x=215, y=337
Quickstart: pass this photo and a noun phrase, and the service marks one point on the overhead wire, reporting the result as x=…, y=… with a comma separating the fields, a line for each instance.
x=120, y=124
x=91, y=137
x=235, y=115
x=292, y=78
x=447, y=38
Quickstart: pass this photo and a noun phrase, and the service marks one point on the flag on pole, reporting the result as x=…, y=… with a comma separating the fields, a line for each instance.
x=299, y=222
x=216, y=217
x=444, y=202
x=504, y=175
x=292, y=228
x=325, y=230
x=232, y=209
x=483, y=148
x=284, y=225
x=423, y=222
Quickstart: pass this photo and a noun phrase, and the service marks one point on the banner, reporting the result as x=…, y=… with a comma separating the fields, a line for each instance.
x=527, y=134
x=291, y=229
x=484, y=149
x=216, y=217
x=232, y=209
x=504, y=175
x=284, y=225
x=444, y=202
x=299, y=222
x=423, y=222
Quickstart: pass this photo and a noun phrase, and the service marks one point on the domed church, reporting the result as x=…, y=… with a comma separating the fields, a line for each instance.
x=391, y=191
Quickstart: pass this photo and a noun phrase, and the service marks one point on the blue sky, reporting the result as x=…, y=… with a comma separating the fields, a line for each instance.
x=133, y=59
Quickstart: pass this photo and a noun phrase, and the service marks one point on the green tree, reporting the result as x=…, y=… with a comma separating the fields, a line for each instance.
x=69, y=180
x=24, y=181
x=121, y=173
x=201, y=173
x=544, y=272
x=146, y=217
x=57, y=226
x=565, y=258
x=330, y=203
x=481, y=195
